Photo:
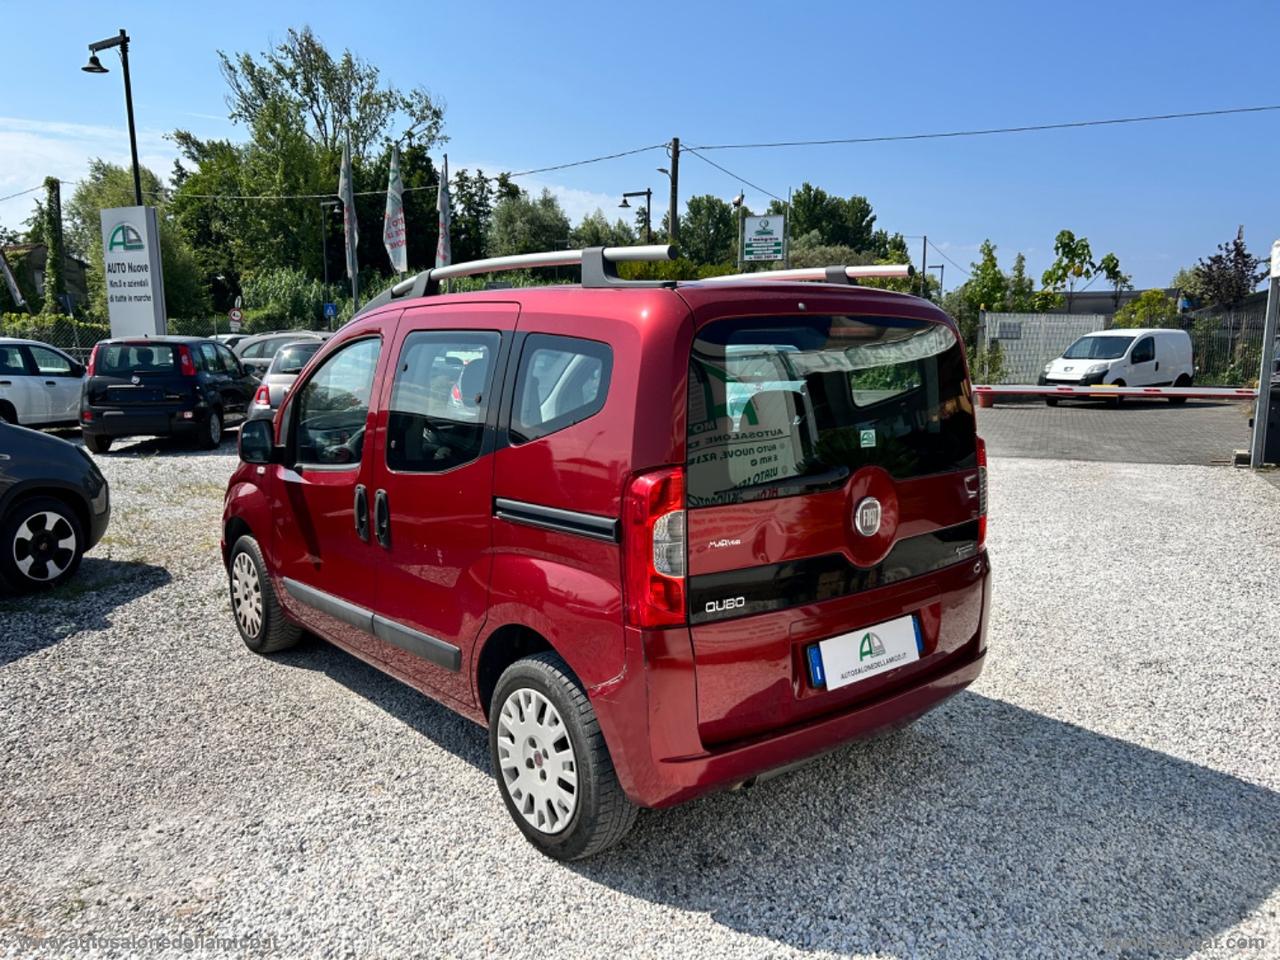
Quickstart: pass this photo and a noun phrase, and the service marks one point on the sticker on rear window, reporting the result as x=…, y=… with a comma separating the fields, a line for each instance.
x=868, y=438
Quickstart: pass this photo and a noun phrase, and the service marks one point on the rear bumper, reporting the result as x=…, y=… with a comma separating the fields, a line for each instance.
x=152, y=422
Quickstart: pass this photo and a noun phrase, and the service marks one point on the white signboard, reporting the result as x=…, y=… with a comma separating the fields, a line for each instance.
x=762, y=238
x=1275, y=259
x=134, y=276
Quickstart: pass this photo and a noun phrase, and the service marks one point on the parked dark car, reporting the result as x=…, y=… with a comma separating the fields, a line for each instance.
x=257, y=352
x=162, y=386
x=54, y=505
x=285, y=367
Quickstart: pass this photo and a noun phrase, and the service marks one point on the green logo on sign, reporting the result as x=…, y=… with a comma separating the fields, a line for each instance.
x=124, y=237
x=764, y=230
x=869, y=646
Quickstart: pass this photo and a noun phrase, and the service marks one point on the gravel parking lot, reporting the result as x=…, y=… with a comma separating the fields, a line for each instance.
x=1108, y=788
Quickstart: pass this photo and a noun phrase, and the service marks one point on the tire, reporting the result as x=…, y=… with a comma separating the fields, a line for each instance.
x=211, y=436
x=1182, y=381
x=41, y=544
x=1050, y=401
x=1116, y=401
x=600, y=815
x=96, y=443
x=257, y=613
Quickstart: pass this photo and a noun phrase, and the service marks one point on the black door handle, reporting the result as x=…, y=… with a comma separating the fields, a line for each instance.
x=382, y=519
x=51, y=383
x=1157, y=364
x=362, y=512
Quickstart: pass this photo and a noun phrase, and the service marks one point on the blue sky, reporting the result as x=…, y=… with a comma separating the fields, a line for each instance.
x=529, y=85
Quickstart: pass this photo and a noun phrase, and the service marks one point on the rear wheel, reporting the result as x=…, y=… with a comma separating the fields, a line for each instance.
x=97, y=444
x=551, y=762
x=1050, y=401
x=41, y=543
x=1182, y=381
x=261, y=622
x=211, y=437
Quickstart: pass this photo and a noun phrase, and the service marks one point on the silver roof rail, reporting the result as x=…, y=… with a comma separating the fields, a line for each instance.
x=833, y=274
x=599, y=269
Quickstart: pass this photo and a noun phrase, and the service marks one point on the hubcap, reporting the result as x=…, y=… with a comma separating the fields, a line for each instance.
x=246, y=594
x=44, y=546
x=537, y=761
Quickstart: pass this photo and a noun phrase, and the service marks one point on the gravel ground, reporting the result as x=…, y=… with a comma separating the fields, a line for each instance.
x=1108, y=788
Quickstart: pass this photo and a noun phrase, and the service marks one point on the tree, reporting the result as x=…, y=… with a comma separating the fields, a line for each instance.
x=473, y=200
x=1109, y=267
x=595, y=230
x=839, y=222
x=1187, y=282
x=1153, y=308
x=336, y=95
x=55, y=283
x=709, y=230
x=1231, y=274
x=1020, y=296
x=987, y=286
x=522, y=224
x=1074, y=263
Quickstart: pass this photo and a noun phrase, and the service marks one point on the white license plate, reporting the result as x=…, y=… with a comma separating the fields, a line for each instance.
x=855, y=656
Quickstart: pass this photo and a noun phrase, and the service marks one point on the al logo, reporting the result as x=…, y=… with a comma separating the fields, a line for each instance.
x=124, y=237
x=869, y=646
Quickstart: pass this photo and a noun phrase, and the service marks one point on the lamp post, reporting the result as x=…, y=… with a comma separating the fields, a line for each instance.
x=120, y=41
x=648, y=210
x=742, y=240
x=326, y=206
x=673, y=228
x=942, y=272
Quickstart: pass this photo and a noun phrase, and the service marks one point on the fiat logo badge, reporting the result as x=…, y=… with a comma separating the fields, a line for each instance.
x=135, y=379
x=866, y=517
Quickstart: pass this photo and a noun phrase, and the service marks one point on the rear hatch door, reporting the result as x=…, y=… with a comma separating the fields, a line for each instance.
x=138, y=376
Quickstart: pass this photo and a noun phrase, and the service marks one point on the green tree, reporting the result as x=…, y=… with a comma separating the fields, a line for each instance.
x=1020, y=297
x=55, y=283
x=1187, y=282
x=472, y=203
x=1153, y=308
x=709, y=230
x=1074, y=263
x=1231, y=274
x=1109, y=267
x=523, y=224
x=839, y=222
x=595, y=230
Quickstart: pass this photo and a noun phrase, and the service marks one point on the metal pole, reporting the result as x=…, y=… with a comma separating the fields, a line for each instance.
x=1263, y=408
x=924, y=260
x=673, y=216
x=786, y=234
x=648, y=215
x=324, y=244
x=741, y=239
x=128, y=103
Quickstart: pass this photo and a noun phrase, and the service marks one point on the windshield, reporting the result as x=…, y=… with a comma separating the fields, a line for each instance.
x=293, y=358
x=779, y=406
x=1097, y=348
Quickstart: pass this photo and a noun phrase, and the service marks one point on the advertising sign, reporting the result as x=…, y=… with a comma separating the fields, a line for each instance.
x=134, y=277
x=762, y=238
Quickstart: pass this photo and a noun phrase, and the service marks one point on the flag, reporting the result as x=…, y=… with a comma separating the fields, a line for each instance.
x=11, y=283
x=393, y=235
x=444, y=256
x=346, y=192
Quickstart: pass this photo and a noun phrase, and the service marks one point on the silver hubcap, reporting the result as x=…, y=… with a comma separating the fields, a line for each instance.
x=246, y=594
x=215, y=428
x=537, y=760
x=44, y=546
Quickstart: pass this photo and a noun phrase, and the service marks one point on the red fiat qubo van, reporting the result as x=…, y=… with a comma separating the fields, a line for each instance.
x=660, y=538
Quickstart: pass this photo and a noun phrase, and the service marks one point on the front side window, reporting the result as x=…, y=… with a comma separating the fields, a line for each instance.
x=333, y=405
x=561, y=381
x=11, y=363
x=50, y=363
x=440, y=399
x=227, y=358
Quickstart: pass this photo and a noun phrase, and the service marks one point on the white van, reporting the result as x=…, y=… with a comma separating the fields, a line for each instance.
x=1124, y=358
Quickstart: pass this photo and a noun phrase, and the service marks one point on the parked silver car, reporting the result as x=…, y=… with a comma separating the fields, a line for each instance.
x=284, y=369
x=256, y=352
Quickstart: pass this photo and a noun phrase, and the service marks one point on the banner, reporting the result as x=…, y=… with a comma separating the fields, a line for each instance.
x=444, y=254
x=351, y=229
x=393, y=233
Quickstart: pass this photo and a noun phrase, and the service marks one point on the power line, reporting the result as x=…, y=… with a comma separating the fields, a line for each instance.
x=21, y=193
x=579, y=163
x=938, y=250
x=1028, y=128
x=753, y=186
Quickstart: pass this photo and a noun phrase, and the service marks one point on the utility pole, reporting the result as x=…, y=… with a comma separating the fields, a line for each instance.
x=924, y=260
x=786, y=234
x=1262, y=410
x=673, y=217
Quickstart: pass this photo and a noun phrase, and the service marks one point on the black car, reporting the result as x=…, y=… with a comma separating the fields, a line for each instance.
x=54, y=505
x=162, y=386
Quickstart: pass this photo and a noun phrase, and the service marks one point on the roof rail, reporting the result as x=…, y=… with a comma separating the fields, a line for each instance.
x=832, y=274
x=599, y=269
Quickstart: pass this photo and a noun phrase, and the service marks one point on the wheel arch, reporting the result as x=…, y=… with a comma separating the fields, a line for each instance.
x=68, y=496
x=501, y=648
x=7, y=406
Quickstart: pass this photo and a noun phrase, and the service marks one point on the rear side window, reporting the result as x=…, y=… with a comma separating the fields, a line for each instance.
x=440, y=399
x=121, y=359
x=49, y=362
x=333, y=406
x=783, y=406
x=561, y=381
x=209, y=358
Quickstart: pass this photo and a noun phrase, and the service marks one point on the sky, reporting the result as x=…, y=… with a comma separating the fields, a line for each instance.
x=532, y=85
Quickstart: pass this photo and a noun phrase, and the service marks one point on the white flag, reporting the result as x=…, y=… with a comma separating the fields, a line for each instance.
x=444, y=255
x=393, y=234
x=346, y=191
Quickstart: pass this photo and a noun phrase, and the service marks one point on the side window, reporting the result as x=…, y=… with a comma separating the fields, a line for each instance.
x=561, y=381
x=333, y=405
x=440, y=399
x=255, y=350
x=11, y=362
x=227, y=358
x=50, y=363
x=209, y=359
x=1144, y=352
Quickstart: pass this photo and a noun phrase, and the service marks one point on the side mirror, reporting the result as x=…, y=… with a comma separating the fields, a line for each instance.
x=257, y=441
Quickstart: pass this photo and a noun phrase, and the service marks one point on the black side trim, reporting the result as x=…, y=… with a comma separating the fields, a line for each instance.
x=419, y=644
x=779, y=586
x=553, y=518
x=336, y=607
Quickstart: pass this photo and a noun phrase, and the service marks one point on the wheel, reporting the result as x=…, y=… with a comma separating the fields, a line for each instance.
x=211, y=438
x=1182, y=381
x=96, y=443
x=551, y=763
x=261, y=622
x=41, y=544
x=1050, y=401
x=8, y=414
x=1115, y=401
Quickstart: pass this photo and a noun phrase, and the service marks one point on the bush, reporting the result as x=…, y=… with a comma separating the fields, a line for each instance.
x=284, y=298
x=61, y=331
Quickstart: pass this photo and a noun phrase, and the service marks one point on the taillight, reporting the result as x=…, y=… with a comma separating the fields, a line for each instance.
x=456, y=393
x=262, y=396
x=93, y=360
x=185, y=363
x=982, y=491
x=653, y=544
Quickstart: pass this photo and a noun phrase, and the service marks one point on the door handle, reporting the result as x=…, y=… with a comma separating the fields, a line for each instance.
x=6, y=383
x=51, y=383
x=1157, y=364
x=362, y=512
x=382, y=519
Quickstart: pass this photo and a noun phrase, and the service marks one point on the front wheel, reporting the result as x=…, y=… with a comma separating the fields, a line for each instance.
x=42, y=544
x=1182, y=381
x=551, y=762
x=259, y=618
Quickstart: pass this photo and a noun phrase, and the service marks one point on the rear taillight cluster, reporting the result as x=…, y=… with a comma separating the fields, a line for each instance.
x=262, y=396
x=93, y=361
x=654, y=551
x=185, y=362
x=982, y=491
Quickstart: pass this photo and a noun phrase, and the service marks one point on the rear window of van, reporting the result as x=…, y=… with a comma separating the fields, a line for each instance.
x=781, y=406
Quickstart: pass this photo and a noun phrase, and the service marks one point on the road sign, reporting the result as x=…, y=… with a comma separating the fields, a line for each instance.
x=235, y=315
x=762, y=238
x=330, y=311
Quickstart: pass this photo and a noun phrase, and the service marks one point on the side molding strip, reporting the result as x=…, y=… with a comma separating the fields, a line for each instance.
x=336, y=607
x=554, y=518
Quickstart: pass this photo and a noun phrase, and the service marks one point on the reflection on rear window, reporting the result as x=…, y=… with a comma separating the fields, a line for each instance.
x=293, y=358
x=781, y=406
x=118, y=359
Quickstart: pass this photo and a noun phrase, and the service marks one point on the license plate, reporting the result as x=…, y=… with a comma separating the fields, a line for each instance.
x=864, y=653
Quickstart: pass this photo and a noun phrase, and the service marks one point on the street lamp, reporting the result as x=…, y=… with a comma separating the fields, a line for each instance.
x=331, y=206
x=941, y=268
x=647, y=193
x=121, y=41
x=742, y=240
